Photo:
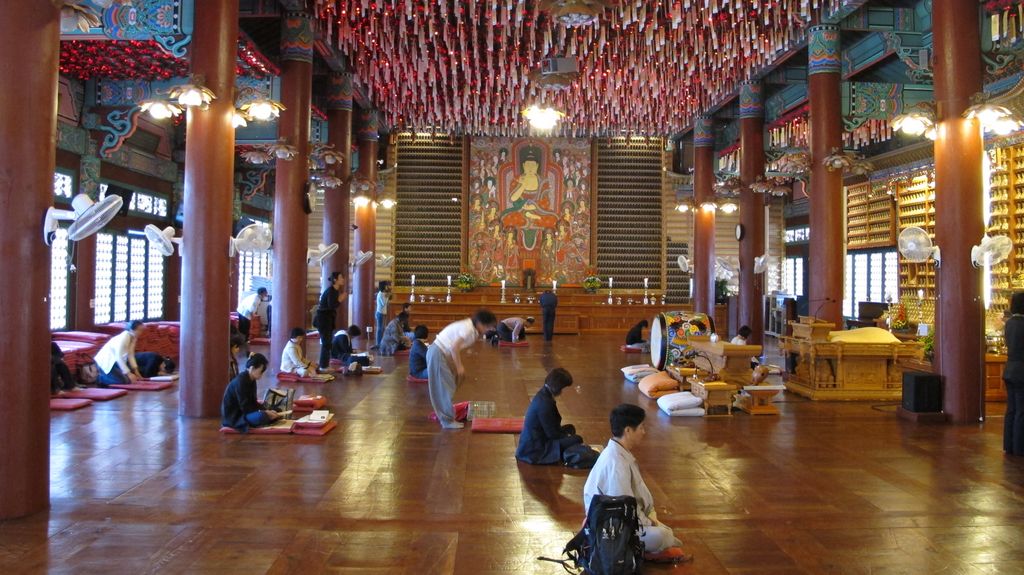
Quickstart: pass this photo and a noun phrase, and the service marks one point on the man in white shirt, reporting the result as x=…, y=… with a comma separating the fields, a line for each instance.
x=116, y=359
x=293, y=359
x=616, y=473
x=444, y=366
x=252, y=304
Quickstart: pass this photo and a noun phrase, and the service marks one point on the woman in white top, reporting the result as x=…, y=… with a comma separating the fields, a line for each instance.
x=444, y=366
x=383, y=299
x=116, y=359
x=293, y=360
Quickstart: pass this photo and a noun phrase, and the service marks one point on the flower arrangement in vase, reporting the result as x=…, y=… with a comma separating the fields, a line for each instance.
x=898, y=317
x=591, y=283
x=465, y=282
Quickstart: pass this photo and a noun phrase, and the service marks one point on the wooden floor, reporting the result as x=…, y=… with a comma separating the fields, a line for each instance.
x=824, y=488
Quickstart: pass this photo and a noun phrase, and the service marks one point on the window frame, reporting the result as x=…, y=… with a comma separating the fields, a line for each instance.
x=876, y=263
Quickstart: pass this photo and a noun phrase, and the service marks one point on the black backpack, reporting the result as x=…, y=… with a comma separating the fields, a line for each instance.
x=609, y=543
x=580, y=456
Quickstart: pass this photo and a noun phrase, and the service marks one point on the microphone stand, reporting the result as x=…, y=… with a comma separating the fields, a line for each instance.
x=821, y=305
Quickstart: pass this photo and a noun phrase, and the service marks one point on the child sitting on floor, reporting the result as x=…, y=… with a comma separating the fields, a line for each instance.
x=293, y=359
x=418, y=354
x=240, y=409
x=341, y=346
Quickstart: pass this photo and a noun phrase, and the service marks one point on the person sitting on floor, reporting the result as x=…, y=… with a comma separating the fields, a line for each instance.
x=406, y=331
x=635, y=335
x=418, y=353
x=341, y=346
x=616, y=473
x=60, y=376
x=741, y=336
x=116, y=359
x=513, y=328
x=240, y=409
x=235, y=346
x=544, y=438
x=293, y=359
x=152, y=364
x=394, y=338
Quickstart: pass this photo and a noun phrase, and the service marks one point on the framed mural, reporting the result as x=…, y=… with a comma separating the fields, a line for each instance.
x=529, y=209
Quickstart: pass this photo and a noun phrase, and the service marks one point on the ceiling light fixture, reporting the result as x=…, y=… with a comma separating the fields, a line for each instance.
x=193, y=95
x=992, y=117
x=708, y=206
x=238, y=119
x=917, y=123
x=727, y=206
x=542, y=118
x=262, y=110
x=160, y=109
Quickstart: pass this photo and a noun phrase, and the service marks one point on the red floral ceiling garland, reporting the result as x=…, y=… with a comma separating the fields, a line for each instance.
x=146, y=60
x=646, y=68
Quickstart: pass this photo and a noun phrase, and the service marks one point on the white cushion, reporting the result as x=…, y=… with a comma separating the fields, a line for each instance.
x=635, y=373
x=691, y=412
x=674, y=403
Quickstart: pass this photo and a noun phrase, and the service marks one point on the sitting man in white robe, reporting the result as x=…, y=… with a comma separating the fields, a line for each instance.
x=616, y=473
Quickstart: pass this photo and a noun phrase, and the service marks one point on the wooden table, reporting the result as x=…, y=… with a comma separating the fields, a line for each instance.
x=731, y=362
x=756, y=399
x=716, y=395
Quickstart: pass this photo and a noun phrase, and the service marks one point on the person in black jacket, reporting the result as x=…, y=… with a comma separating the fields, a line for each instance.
x=1013, y=376
x=544, y=438
x=326, y=313
x=635, y=335
x=341, y=346
x=548, y=303
x=240, y=409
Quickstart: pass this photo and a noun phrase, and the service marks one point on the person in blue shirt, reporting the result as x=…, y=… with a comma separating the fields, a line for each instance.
x=418, y=353
x=544, y=438
x=381, y=315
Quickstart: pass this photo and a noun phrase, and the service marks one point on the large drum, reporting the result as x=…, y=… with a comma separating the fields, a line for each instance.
x=669, y=333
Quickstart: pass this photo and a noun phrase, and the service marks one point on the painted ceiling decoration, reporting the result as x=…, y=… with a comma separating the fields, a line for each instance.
x=646, y=67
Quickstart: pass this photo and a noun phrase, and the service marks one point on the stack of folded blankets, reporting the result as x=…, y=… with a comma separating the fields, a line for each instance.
x=635, y=373
x=79, y=347
x=682, y=404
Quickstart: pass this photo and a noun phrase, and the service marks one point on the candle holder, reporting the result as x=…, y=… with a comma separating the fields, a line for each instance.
x=503, y=295
x=647, y=300
x=609, y=297
x=448, y=296
x=516, y=299
x=662, y=299
x=412, y=294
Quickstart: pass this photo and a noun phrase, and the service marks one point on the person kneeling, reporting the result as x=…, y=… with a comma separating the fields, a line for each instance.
x=240, y=409
x=394, y=338
x=293, y=359
x=418, y=353
x=616, y=473
x=116, y=359
x=544, y=439
x=513, y=328
x=635, y=336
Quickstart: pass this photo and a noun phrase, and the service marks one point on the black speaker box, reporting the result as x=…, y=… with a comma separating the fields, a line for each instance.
x=922, y=392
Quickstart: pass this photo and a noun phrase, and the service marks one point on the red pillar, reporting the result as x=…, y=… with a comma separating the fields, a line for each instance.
x=703, y=262
x=290, y=221
x=959, y=342
x=209, y=185
x=826, y=211
x=29, y=52
x=363, y=288
x=337, y=213
x=751, y=300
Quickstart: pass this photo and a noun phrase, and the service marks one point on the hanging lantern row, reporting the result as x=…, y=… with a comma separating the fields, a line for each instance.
x=870, y=132
x=776, y=186
x=645, y=68
x=1007, y=21
x=729, y=159
x=264, y=154
x=796, y=164
x=791, y=130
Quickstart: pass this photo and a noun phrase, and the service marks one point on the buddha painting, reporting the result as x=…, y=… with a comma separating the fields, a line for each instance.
x=530, y=199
